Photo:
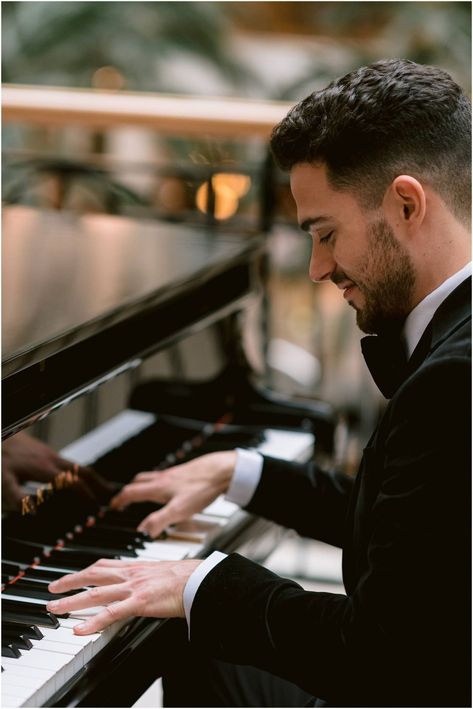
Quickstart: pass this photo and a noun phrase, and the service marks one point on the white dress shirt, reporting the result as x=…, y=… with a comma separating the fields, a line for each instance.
x=249, y=464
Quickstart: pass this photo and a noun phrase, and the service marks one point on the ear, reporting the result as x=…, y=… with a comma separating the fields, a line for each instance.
x=405, y=202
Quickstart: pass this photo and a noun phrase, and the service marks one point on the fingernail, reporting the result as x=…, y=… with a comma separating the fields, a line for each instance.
x=82, y=627
x=53, y=606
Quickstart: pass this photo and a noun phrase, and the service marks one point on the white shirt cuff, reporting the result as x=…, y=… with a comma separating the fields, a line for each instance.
x=246, y=477
x=194, y=581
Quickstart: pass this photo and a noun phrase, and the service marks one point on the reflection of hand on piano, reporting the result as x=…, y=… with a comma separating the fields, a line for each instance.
x=152, y=589
x=183, y=489
x=26, y=458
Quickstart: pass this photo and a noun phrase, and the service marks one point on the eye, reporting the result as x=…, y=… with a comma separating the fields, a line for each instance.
x=325, y=239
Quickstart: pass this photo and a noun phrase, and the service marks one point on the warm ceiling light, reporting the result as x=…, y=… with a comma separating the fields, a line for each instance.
x=240, y=184
x=226, y=201
x=228, y=188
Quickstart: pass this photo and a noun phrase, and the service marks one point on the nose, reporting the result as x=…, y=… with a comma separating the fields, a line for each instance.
x=322, y=264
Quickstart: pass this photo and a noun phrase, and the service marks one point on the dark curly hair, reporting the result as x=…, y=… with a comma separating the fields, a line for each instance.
x=389, y=118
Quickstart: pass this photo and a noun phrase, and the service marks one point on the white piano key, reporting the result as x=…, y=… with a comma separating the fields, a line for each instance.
x=45, y=678
x=41, y=683
x=56, y=646
x=68, y=622
x=40, y=660
x=85, y=613
x=63, y=634
x=59, y=569
x=23, y=599
x=9, y=700
x=20, y=679
x=18, y=689
x=35, y=675
x=29, y=689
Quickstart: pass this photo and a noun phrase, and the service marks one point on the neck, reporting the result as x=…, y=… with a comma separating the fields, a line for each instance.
x=445, y=252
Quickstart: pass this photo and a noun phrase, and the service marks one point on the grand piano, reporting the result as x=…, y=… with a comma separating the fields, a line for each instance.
x=89, y=304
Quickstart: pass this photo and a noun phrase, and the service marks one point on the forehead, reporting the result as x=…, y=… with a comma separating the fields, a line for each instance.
x=314, y=196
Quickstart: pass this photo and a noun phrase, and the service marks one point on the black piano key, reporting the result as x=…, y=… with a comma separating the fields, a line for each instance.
x=72, y=559
x=106, y=537
x=64, y=568
x=32, y=590
x=10, y=650
x=19, y=640
x=111, y=529
x=42, y=575
x=132, y=515
x=30, y=618
x=142, y=536
x=21, y=551
x=39, y=582
x=101, y=551
x=142, y=452
x=29, y=630
x=10, y=569
x=30, y=613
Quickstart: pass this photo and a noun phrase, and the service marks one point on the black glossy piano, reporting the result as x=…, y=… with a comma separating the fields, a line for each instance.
x=105, y=320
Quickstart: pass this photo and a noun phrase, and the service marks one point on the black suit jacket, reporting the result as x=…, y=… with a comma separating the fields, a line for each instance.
x=401, y=634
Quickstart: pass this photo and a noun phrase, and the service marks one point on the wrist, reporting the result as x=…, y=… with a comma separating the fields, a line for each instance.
x=226, y=466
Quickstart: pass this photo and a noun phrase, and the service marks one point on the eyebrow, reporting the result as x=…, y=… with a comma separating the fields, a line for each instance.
x=317, y=221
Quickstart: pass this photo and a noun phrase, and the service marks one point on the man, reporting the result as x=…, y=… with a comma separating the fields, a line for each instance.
x=380, y=172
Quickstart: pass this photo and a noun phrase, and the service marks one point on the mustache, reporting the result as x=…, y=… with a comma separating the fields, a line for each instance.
x=340, y=277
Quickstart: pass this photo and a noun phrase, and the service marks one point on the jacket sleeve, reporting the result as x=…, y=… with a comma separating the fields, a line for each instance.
x=304, y=498
x=401, y=634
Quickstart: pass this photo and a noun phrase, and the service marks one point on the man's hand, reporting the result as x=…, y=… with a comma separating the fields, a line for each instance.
x=184, y=489
x=26, y=458
x=150, y=589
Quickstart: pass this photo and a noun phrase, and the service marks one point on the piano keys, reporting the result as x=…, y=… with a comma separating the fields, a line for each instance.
x=58, y=656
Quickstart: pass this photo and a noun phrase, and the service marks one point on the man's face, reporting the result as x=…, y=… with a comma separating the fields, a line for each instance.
x=356, y=250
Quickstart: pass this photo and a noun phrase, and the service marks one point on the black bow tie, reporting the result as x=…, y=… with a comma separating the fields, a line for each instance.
x=386, y=359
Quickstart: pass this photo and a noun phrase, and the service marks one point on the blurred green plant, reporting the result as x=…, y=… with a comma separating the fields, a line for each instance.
x=64, y=43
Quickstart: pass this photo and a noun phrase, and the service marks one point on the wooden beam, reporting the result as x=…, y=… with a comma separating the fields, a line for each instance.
x=172, y=114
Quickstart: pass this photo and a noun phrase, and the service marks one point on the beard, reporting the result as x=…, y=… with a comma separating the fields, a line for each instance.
x=386, y=280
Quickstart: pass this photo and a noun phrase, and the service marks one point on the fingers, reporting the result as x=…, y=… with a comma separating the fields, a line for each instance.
x=110, y=614
x=148, y=589
x=146, y=476
x=98, y=596
x=94, y=575
x=157, y=521
x=134, y=492
x=101, y=573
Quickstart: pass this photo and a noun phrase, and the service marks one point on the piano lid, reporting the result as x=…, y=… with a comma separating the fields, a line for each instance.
x=83, y=295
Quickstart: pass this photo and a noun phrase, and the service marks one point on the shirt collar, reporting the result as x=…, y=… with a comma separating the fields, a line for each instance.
x=422, y=314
